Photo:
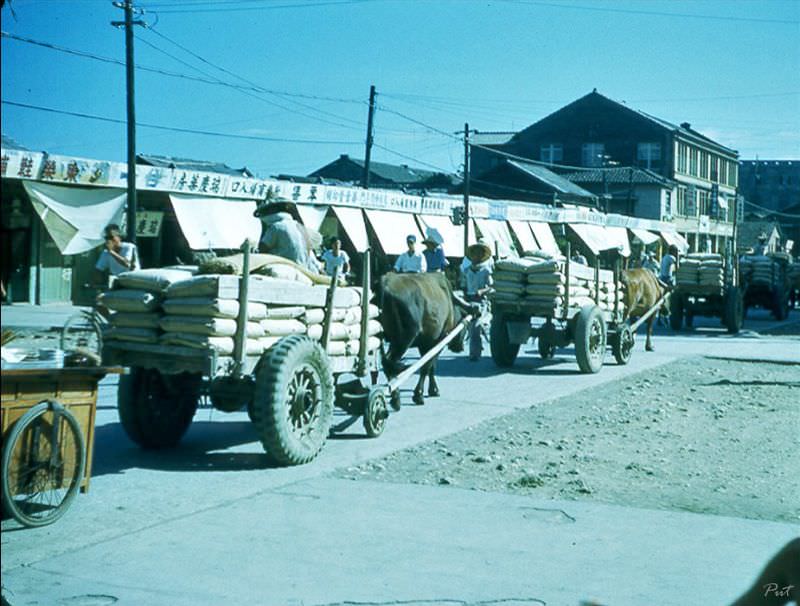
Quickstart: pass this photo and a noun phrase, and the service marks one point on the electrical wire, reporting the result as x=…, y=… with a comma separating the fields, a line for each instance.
x=773, y=212
x=178, y=129
x=259, y=8
x=415, y=160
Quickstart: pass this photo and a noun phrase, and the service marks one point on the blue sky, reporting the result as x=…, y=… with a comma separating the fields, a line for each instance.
x=729, y=67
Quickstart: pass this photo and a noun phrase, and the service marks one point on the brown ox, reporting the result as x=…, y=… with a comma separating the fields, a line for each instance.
x=642, y=291
x=417, y=310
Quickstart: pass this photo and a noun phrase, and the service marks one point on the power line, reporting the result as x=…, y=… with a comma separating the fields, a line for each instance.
x=415, y=160
x=415, y=121
x=773, y=212
x=178, y=129
x=649, y=13
x=259, y=8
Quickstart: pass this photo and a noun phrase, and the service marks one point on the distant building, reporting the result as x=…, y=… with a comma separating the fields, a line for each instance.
x=752, y=228
x=388, y=176
x=597, y=132
x=772, y=184
x=188, y=164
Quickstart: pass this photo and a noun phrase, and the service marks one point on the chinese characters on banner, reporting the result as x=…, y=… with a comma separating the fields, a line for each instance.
x=148, y=223
x=80, y=171
x=19, y=164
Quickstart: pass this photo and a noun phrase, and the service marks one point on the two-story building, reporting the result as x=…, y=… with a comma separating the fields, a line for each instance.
x=596, y=133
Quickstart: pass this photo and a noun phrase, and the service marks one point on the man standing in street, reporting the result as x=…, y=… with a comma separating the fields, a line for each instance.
x=335, y=257
x=478, y=281
x=410, y=262
x=434, y=253
x=669, y=264
x=117, y=257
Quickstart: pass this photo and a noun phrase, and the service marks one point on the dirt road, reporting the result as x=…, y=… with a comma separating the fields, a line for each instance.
x=703, y=435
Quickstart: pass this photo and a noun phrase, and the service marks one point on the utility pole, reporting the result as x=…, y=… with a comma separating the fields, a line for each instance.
x=466, y=187
x=365, y=178
x=129, y=22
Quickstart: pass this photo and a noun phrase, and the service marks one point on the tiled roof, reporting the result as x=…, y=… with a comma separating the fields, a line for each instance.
x=626, y=175
x=189, y=164
x=395, y=173
x=549, y=178
x=750, y=230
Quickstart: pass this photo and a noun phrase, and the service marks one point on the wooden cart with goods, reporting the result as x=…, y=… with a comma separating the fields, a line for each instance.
x=48, y=420
x=288, y=381
x=766, y=283
x=706, y=285
x=577, y=304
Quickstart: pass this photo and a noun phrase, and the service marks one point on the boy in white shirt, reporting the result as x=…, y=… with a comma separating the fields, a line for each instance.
x=411, y=261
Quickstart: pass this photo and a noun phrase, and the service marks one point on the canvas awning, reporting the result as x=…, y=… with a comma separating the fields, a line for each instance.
x=352, y=222
x=599, y=238
x=544, y=237
x=453, y=235
x=209, y=223
x=673, y=237
x=311, y=215
x=75, y=216
x=522, y=229
x=392, y=228
x=496, y=232
x=646, y=237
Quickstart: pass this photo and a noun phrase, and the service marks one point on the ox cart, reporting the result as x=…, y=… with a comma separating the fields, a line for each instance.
x=592, y=323
x=766, y=283
x=289, y=388
x=706, y=286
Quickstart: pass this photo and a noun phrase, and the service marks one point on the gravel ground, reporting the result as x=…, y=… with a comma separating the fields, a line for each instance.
x=704, y=435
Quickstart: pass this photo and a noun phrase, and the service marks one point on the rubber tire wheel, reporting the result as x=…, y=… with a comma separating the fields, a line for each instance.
x=9, y=444
x=376, y=412
x=82, y=323
x=504, y=353
x=588, y=318
x=271, y=410
x=622, y=344
x=676, y=311
x=155, y=411
x=734, y=310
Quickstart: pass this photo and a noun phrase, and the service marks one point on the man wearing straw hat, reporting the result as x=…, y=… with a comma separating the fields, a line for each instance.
x=478, y=282
x=434, y=254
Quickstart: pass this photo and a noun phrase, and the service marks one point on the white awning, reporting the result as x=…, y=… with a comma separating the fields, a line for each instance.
x=522, y=229
x=453, y=234
x=618, y=238
x=599, y=238
x=392, y=228
x=209, y=223
x=673, y=237
x=496, y=232
x=544, y=237
x=646, y=237
x=352, y=221
x=312, y=216
x=75, y=216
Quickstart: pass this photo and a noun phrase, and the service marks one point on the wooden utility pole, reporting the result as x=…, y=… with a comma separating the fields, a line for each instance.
x=129, y=22
x=466, y=187
x=365, y=178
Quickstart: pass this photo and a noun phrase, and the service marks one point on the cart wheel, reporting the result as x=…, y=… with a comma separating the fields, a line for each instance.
x=293, y=402
x=82, y=331
x=44, y=457
x=733, y=310
x=504, y=353
x=156, y=409
x=676, y=310
x=590, y=339
x=622, y=344
x=375, y=412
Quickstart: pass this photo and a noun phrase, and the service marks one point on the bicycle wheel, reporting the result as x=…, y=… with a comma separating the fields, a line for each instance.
x=82, y=331
x=44, y=457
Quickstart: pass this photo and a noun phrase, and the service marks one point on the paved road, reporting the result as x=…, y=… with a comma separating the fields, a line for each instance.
x=210, y=522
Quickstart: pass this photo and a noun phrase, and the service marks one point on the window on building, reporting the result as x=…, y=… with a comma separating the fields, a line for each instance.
x=551, y=153
x=703, y=202
x=668, y=203
x=681, y=201
x=592, y=154
x=733, y=173
x=723, y=172
x=703, y=165
x=649, y=154
x=693, y=154
x=714, y=168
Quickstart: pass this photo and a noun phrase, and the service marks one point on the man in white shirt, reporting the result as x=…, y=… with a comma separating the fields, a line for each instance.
x=410, y=262
x=336, y=257
x=118, y=256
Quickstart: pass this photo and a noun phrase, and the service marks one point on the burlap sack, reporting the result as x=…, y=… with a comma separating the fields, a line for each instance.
x=517, y=288
x=134, y=335
x=285, y=313
x=130, y=300
x=509, y=276
x=217, y=327
x=545, y=290
x=223, y=345
x=151, y=280
x=547, y=278
x=212, y=308
x=135, y=320
x=282, y=328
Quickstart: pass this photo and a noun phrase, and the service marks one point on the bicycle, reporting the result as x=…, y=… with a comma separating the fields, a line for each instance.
x=83, y=331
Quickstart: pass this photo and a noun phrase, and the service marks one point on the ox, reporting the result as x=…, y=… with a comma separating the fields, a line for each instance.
x=417, y=310
x=642, y=291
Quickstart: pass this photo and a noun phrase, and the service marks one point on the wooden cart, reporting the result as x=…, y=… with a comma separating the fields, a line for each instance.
x=48, y=417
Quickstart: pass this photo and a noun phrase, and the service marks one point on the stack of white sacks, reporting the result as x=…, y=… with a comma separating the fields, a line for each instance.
x=759, y=269
x=539, y=284
x=183, y=310
x=701, y=273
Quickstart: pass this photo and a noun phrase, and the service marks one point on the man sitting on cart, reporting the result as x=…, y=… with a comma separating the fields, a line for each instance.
x=669, y=263
x=281, y=234
x=478, y=284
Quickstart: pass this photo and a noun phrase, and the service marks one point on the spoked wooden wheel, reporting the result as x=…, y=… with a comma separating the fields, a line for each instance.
x=622, y=345
x=44, y=457
x=83, y=332
x=590, y=339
